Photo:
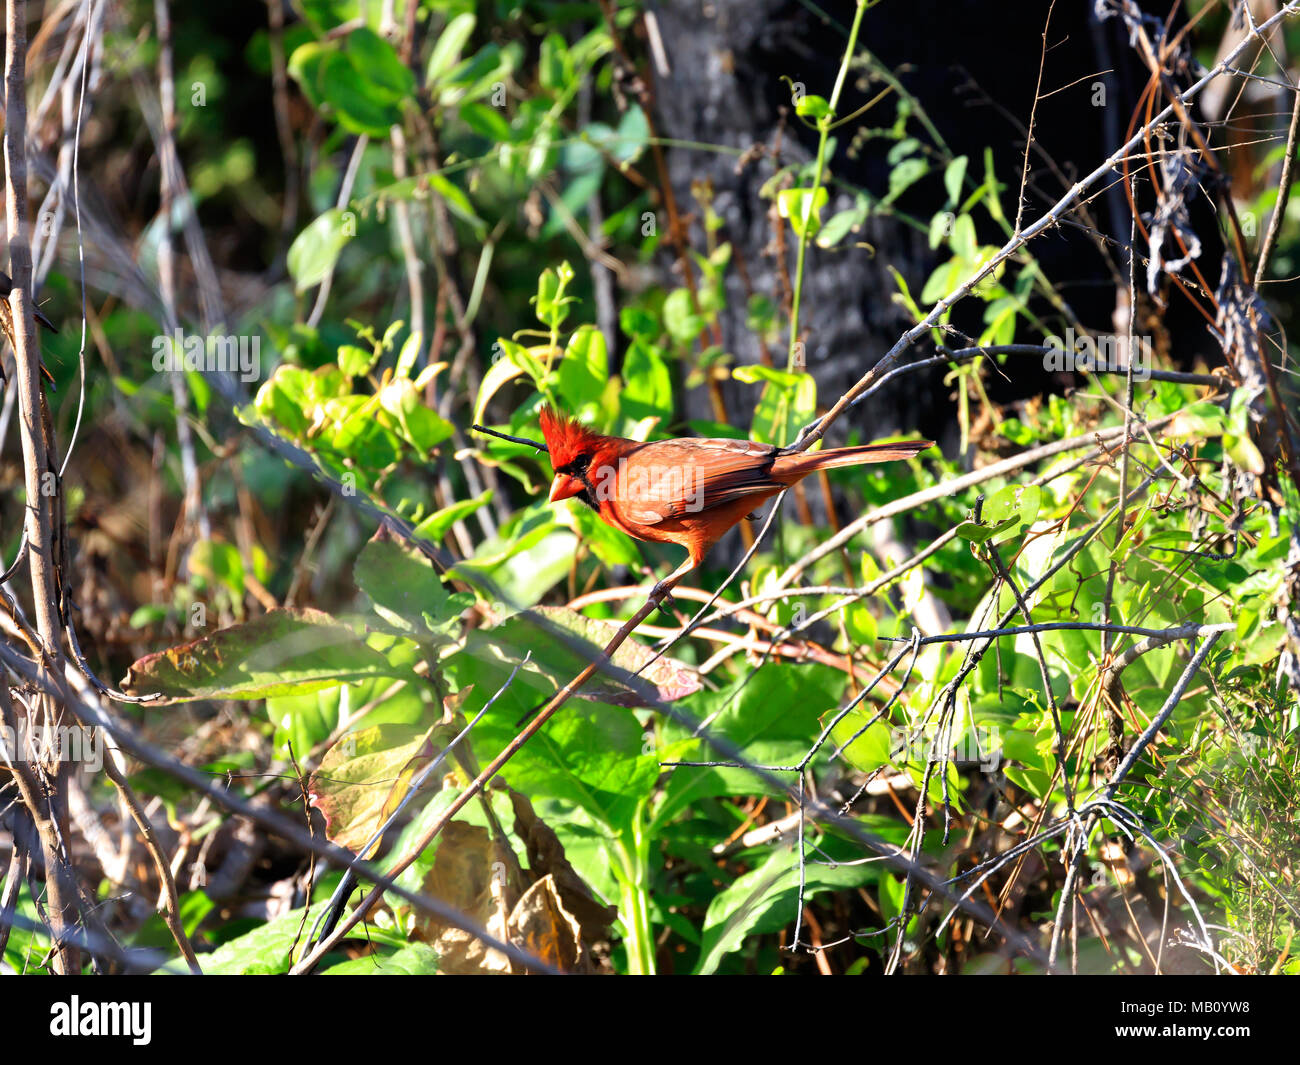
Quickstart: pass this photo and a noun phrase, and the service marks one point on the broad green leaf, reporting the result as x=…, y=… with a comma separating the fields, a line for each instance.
x=681, y=320
x=765, y=899
x=378, y=61
x=282, y=653
x=316, y=249
x=772, y=718
x=261, y=952
x=584, y=370
x=406, y=592
x=486, y=122
x=307, y=65
x=364, y=777
x=871, y=749
x=589, y=754
x=415, y=959
x=421, y=426
x=612, y=547
x=953, y=176
x=787, y=403
x=813, y=107
x=647, y=384
x=803, y=207
x=905, y=175
x=361, y=106
x=356, y=362
x=842, y=223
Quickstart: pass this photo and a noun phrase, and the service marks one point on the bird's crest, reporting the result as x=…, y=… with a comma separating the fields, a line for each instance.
x=566, y=438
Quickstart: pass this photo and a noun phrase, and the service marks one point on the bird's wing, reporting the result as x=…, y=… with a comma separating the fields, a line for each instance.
x=676, y=478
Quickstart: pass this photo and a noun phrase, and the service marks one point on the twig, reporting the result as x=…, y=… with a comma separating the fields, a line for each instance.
x=171, y=906
x=42, y=511
x=1176, y=694
x=1283, y=193
x=513, y=439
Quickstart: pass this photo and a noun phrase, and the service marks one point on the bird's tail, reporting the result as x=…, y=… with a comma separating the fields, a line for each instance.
x=791, y=468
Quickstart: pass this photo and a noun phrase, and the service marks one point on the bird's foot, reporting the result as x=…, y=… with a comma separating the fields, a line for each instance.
x=661, y=596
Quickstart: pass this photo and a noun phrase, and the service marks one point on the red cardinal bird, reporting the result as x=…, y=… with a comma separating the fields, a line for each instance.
x=687, y=491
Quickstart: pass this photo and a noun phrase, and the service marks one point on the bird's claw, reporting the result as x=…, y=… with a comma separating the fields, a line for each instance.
x=662, y=598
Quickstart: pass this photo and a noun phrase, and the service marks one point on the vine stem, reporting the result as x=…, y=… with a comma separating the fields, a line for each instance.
x=824, y=124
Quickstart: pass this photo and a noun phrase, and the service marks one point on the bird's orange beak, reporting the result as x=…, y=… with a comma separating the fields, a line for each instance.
x=565, y=487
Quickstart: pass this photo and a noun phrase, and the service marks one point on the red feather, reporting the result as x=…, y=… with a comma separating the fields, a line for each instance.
x=566, y=437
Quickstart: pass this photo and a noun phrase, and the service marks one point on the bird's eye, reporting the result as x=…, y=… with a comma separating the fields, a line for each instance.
x=581, y=464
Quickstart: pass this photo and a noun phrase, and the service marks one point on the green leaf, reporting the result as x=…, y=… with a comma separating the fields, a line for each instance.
x=529, y=563
x=554, y=67
x=406, y=592
x=282, y=653
x=457, y=202
x=486, y=122
x=584, y=370
x=149, y=614
x=953, y=176
x=813, y=107
x=978, y=534
x=354, y=361
x=764, y=900
x=1019, y=501
x=307, y=66
x=476, y=76
x=378, y=61
x=904, y=176
x=590, y=758
x=680, y=318
x=612, y=547
x=840, y=224
x=415, y=959
x=803, y=207
x=502, y=371
x=419, y=425
x=436, y=525
x=316, y=249
x=647, y=384
x=632, y=136
x=787, y=403
x=962, y=240
x=219, y=563
x=448, y=47
x=900, y=151
x=550, y=303
x=365, y=776
x=361, y=106
x=261, y=952
x=772, y=717
x=870, y=750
